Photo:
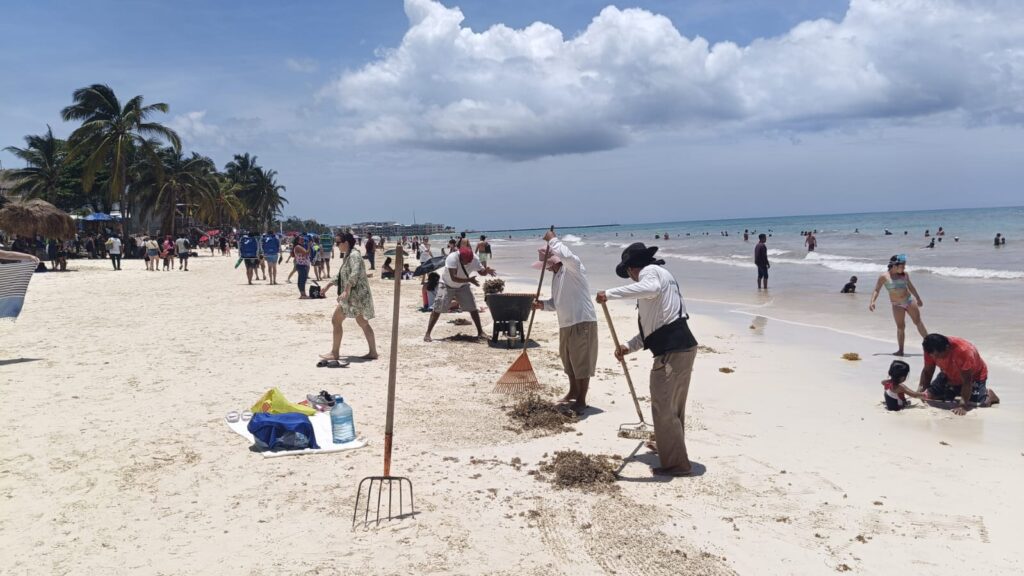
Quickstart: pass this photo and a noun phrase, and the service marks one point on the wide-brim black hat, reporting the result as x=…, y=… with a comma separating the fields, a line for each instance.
x=636, y=255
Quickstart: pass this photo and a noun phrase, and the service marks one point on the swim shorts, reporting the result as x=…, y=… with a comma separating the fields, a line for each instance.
x=941, y=389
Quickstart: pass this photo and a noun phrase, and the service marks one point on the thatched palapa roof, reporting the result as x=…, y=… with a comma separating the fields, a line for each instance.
x=36, y=217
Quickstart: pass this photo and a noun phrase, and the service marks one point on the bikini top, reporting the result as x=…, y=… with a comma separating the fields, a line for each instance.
x=894, y=284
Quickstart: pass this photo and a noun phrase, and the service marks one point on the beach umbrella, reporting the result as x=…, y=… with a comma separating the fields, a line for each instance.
x=98, y=217
x=36, y=217
x=429, y=266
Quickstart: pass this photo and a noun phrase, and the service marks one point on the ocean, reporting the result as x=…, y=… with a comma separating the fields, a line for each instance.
x=969, y=287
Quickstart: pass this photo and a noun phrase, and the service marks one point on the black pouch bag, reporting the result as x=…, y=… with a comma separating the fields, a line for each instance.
x=671, y=337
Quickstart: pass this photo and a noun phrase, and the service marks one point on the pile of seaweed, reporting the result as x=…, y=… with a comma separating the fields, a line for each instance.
x=534, y=412
x=494, y=286
x=574, y=469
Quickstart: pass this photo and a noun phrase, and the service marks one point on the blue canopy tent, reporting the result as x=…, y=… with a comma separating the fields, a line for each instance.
x=99, y=217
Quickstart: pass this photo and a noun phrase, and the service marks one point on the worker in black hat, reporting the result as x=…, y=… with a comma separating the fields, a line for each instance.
x=665, y=332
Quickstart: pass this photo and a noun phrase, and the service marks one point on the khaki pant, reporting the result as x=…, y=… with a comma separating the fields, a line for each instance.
x=670, y=383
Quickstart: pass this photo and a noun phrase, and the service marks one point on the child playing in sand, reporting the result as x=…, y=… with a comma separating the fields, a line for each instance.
x=895, y=392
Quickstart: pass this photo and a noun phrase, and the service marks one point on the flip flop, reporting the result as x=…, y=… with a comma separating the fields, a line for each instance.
x=324, y=362
x=246, y=415
x=337, y=364
x=232, y=416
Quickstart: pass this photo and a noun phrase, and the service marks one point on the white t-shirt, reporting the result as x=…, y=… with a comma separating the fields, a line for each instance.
x=115, y=246
x=452, y=261
x=570, y=291
x=180, y=245
x=658, y=298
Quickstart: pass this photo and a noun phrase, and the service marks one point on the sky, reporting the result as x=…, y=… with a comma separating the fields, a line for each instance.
x=490, y=114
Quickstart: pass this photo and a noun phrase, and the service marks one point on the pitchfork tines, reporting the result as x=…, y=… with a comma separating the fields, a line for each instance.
x=384, y=484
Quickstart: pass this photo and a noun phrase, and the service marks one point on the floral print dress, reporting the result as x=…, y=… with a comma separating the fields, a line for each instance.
x=352, y=276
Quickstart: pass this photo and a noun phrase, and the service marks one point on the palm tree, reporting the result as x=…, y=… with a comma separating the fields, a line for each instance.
x=242, y=169
x=180, y=179
x=223, y=207
x=265, y=200
x=44, y=157
x=109, y=135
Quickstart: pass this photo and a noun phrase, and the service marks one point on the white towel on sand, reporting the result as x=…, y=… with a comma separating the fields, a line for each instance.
x=321, y=428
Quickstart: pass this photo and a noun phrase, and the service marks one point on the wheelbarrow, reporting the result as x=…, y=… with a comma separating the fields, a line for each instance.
x=509, y=311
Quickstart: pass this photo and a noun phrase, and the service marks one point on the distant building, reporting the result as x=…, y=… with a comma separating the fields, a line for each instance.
x=6, y=185
x=397, y=229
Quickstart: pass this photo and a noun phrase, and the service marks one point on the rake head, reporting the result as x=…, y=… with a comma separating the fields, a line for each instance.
x=637, y=431
x=519, y=377
x=393, y=486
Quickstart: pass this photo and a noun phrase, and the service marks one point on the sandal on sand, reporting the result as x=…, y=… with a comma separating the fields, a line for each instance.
x=246, y=415
x=232, y=416
x=337, y=364
x=323, y=363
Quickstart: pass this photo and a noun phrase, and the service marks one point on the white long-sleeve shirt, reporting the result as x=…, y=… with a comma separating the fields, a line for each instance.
x=570, y=291
x=658, y=298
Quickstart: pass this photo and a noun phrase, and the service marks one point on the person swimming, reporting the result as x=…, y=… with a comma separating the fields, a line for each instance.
x=903, y=296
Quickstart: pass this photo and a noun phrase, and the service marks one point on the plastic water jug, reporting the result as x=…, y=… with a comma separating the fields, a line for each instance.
x=343, y=427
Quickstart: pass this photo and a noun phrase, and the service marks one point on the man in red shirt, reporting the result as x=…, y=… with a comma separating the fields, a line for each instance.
x=964, y=373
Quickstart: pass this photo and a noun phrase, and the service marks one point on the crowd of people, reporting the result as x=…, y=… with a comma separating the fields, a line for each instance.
x=959, y=360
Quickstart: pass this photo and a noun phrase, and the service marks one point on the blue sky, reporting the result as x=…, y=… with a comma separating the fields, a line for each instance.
x=473, y=115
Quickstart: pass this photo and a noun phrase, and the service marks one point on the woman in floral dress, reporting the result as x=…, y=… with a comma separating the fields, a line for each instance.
x=354, y=298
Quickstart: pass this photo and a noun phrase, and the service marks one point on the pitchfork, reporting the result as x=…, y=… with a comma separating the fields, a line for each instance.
x=387, y=481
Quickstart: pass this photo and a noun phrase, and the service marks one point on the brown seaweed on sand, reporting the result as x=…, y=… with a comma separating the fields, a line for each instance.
x=534, y=412
x=851, y=356
x=574, y=469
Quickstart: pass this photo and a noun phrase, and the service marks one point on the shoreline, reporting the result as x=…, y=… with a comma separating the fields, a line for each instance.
x=803, y=470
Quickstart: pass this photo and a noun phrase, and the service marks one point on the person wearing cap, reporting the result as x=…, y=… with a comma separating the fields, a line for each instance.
x=577, y=320
x=455, y=286
x=664, y=331
x=903, y=296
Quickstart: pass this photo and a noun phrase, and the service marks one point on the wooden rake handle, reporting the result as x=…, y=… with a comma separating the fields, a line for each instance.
x=625, y=369
x=389, y=423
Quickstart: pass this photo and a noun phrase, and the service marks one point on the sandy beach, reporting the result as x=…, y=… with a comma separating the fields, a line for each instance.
x=116, y=458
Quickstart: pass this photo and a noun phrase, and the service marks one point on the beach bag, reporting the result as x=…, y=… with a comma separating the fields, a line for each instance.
x=315, y=292
x=282, y=432
x=274, y=402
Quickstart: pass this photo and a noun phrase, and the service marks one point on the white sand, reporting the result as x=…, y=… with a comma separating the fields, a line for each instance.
x=115, y=458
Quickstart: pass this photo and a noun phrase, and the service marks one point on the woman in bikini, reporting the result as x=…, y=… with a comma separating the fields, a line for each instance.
x=904, y=297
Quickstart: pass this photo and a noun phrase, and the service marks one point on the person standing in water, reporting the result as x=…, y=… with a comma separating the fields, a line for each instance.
x=903, y=296
x=811, y=242
x=761, y=261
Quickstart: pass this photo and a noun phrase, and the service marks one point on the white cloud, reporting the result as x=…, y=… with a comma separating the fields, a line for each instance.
x=303, y=65
x=231, y=134
x=531, y=92
x=193, y=128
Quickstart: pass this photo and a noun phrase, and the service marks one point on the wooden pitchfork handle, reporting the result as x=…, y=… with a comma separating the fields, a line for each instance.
x=389, y=423
x=540, y=284
x=622, y=361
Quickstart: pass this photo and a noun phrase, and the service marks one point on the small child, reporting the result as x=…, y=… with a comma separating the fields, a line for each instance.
x=851, y=286
x=430, y=291
x=895, y=392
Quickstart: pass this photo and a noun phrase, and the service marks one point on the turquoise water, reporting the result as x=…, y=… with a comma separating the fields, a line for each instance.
x=969, y=287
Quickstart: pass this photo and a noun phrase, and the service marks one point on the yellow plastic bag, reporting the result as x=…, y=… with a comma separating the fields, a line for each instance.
x=274, y=402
